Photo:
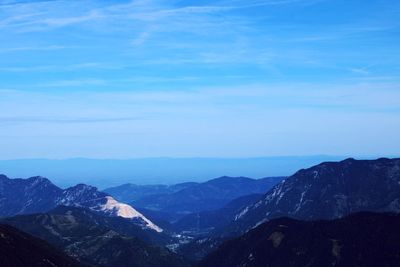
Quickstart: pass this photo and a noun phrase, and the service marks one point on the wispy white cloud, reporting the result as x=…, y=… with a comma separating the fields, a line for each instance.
x=30, y=13
x=57, y=120
x=58, y=68
x=22, y=2
x=60, y=22
x=376, y=96
x=239, y=4
x=72, y=83
x=223, y=74
x=99, y=123
x=160, y=24
x=362, y=71
x=36, y=48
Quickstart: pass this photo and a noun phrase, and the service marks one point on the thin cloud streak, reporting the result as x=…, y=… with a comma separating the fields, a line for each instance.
x=37, y=48
x=7, y=120
x=57, y=68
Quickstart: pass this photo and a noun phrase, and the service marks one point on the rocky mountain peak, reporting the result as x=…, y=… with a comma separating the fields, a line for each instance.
x=329, y=190
x=38, y=194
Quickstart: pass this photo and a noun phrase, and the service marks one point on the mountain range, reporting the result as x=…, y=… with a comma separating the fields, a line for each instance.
x=133, y=192
x=328, y=190
x=104, y=173
x=182, y=199
x=317, y=205
x=38, y=194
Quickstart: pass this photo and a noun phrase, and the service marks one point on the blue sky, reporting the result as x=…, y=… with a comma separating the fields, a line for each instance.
x=238, y=78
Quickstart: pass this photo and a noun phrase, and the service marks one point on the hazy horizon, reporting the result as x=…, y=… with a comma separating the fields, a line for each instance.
x=112, y=172
x=212, y=157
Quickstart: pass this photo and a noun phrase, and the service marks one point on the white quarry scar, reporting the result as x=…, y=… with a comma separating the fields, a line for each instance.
x=127, y=211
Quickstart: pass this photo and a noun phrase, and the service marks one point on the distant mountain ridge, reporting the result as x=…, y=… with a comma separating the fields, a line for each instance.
x=133, y=192
x=207, y=221
x=198, y=197
x=38, y=194
x=105, y=173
